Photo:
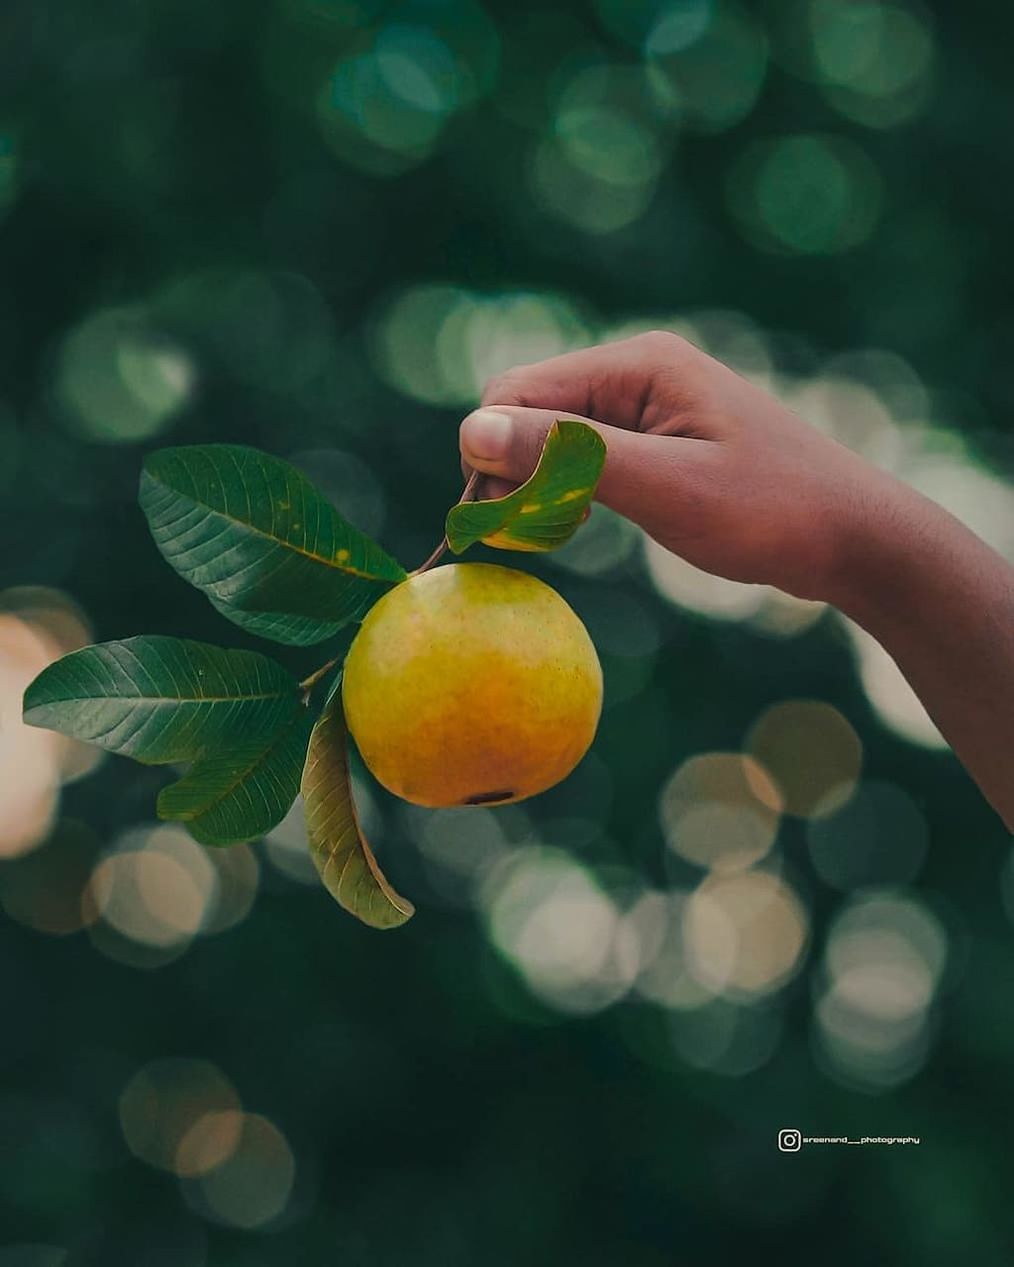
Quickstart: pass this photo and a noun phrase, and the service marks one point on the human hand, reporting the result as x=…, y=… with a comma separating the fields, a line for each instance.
x=708, y=464
x=718, y=471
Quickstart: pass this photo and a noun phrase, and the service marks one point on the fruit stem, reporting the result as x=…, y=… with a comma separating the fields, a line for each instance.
x=434, y=558
x=309, y=683
x=467, y=495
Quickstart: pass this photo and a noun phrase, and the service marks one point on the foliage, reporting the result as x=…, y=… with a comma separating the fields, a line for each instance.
x=161, y=699
x=276, y=558
x=253, y=533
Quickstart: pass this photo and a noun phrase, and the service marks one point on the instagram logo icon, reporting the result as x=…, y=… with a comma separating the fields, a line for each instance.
x=790, y=1141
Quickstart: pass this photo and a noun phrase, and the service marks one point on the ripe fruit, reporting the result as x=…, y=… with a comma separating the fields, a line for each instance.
x=471, y=684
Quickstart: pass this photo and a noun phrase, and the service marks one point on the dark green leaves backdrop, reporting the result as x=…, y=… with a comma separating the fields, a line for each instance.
x=767, y=900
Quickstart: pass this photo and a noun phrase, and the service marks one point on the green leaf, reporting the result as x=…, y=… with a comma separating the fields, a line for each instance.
x=342, y=855
x=162, y=699
x=298, y=631
x=242, y=792
x=547, y=509
x=267, y=548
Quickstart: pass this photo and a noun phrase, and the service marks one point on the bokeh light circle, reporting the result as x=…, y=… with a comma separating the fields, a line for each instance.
x=119, y=381
x=805, y=194
x=879, y=836
x=37, y=625
x=744, y=933
x=161, y=1104
x=548, y=916
x=885, y=956
x=811, y=752
x=251, y=1186
x=720, y=810
x=706, y=64
x=440, y=343
x=155, y=887
x=873, y=61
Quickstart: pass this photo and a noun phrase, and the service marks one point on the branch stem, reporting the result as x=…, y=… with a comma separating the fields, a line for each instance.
x=467, y=495
x=316, y=676
x=434, y=558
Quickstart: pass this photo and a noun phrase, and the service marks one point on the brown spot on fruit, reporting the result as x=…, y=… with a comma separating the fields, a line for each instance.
x=488, y=798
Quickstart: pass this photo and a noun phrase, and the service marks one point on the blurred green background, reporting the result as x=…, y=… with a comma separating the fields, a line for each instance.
x=769, y=898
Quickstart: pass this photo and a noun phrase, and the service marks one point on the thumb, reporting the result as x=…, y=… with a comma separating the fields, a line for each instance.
x=643, y=473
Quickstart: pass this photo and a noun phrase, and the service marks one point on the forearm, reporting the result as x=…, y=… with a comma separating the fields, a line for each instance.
x=719, y=472
x=941, y=602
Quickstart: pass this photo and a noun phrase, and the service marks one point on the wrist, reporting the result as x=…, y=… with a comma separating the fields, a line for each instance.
x=882, y=537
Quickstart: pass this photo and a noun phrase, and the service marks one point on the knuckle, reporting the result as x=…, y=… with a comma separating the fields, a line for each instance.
x=505, y=388
x=662, y=342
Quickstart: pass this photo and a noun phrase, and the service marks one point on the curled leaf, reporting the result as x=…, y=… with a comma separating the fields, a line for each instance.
x=342, y=854
x=545, y=511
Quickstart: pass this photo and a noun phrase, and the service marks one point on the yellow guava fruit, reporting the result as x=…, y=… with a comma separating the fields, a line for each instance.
x=471, y=684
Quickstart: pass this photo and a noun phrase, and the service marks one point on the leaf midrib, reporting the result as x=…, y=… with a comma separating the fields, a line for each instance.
x=258, y=760
x=333, y=564
x=163, y=699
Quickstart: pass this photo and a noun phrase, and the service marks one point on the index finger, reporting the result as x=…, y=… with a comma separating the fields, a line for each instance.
x=613, y=382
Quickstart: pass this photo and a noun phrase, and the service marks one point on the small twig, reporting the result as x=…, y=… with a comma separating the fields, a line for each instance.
x=467, y=495
x=309, y=683
x=434, y=558
x=471, y=484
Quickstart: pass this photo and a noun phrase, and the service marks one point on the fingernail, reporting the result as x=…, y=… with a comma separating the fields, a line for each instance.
x=486, y=434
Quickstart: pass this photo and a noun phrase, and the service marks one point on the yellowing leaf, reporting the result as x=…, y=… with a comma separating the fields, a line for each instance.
x=546, y=511
x=342, y=855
